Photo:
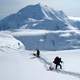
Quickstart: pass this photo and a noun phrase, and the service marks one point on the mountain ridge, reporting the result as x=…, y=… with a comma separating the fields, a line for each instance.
x=45, y=18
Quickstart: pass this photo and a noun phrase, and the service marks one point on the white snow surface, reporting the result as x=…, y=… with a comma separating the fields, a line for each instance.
x=16, y=63
x=22, y=65
x=7, y=40
x=74, y=18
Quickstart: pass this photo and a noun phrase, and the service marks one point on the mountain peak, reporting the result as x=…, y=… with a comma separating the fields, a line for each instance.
x=45, y=18
x=32, y=11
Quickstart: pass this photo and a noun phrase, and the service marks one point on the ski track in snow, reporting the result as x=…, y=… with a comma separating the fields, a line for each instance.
x=42, y=60
x=45, y=62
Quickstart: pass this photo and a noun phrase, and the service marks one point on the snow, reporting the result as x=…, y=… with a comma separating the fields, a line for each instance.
x=21, y=65
x=29, y=32
x=9, y=41
x=37, y=17
x=65, y=35
x=75, y=21
x=47, y=40
x=43, y=28
x=16, y=63
x=74, y=18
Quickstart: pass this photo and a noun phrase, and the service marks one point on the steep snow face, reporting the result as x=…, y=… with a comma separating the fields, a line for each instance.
x=37, y=17
x=8, y=41
x=32, y=11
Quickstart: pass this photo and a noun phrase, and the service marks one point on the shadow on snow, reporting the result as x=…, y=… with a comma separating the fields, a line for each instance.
x=47, y=64
x=68, y=73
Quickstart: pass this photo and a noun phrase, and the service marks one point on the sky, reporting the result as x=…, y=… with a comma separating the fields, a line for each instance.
x=70, y=7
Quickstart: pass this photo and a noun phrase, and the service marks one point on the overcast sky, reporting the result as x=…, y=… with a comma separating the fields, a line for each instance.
x=70, y=7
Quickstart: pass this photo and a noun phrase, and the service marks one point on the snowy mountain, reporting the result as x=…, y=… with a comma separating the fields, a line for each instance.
x=47, y=40
x=48, y=29
x=39, y=27
x=37, y=17
x=75, y=21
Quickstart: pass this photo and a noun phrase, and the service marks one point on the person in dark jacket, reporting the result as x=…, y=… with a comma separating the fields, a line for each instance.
x=58, y=62
x=38, y=53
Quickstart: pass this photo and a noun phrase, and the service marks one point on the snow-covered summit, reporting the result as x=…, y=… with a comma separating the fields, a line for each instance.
x=32, y=11
x=44, y=16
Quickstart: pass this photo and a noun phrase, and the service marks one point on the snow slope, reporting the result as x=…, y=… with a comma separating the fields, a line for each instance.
x=21, y=65
x=16, y=63
x=8, y=41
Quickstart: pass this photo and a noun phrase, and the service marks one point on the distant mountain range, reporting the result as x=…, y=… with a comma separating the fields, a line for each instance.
x=38, y=17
